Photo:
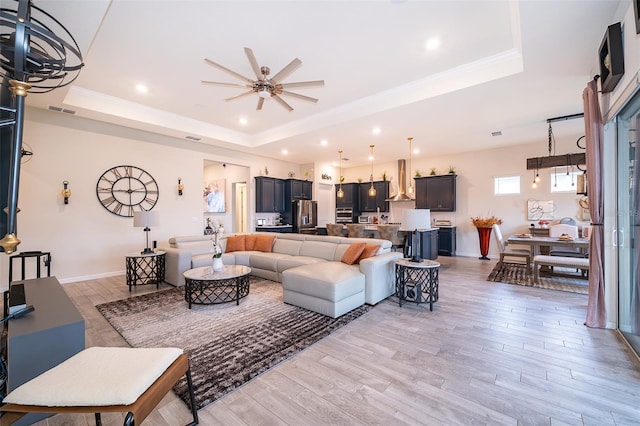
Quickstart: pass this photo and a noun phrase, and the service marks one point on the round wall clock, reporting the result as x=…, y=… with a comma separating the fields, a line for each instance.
x=124, y=190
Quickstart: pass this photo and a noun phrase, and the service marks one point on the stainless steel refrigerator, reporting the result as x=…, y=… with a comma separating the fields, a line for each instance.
x=305, y=215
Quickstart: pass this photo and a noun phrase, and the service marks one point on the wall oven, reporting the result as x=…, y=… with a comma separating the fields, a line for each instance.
x=344, y=215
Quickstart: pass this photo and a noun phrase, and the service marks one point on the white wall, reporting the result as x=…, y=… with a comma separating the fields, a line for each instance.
x=475, y=192
x=231, y=173
x=85, y=240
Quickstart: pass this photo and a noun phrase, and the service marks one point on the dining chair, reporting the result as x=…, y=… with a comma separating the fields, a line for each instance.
x=334, y=229
x=557, y=230
x=355, y=230
x=510, y=252
x=392, y=233
x=568, y=221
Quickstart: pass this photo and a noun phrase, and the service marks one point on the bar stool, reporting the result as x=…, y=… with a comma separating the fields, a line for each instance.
x=28, y=254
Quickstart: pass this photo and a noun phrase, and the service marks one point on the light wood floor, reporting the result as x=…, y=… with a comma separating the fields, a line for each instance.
x=489, y=353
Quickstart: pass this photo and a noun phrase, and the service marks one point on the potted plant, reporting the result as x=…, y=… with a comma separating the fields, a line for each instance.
x=418, y=174
x=432, y=172
x=384, y=176
x=484, y=226
x=452, y=170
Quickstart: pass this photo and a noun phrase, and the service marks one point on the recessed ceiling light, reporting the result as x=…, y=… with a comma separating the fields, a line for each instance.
x=376, y=130
x=142, y=88
x=432, y=43
x=284, y=152
x=243, y=121
x=324, y=142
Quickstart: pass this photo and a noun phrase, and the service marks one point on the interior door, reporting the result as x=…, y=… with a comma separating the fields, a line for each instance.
x=627, y=234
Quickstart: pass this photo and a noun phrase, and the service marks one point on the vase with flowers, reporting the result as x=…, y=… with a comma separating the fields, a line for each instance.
x=217, y=231
x=484, y=226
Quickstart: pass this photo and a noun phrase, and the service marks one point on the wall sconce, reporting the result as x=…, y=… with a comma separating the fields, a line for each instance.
x=66, y=192
x=180, y=187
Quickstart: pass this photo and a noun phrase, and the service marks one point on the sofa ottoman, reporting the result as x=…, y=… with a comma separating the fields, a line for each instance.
x=329, y=288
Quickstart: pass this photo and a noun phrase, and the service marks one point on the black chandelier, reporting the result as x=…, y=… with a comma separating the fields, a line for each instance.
x=553, y=160
x=37, y=55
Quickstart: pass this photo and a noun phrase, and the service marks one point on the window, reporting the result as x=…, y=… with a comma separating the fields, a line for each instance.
x=506, y=185
x=563, y=182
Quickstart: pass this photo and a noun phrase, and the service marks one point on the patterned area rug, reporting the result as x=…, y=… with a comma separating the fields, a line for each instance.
x=516, y=273
x=228, y=345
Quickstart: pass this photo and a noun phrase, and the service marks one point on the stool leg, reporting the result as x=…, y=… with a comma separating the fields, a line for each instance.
x=98, y=419
x=129, y=420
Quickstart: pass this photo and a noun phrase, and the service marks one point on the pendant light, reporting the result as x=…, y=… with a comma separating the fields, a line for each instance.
x=410, y=188
x=340, y=193
x=372, y=190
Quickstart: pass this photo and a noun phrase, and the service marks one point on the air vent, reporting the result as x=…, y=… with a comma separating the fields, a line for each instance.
x=192, y=138
x=496, y=133
x=64, y=110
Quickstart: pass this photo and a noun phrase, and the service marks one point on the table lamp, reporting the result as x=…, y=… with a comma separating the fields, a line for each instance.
x=412, y=221
x=145, y=219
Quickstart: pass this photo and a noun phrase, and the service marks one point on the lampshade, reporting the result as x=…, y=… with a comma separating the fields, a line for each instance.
x=145, y=219
x=413, y=219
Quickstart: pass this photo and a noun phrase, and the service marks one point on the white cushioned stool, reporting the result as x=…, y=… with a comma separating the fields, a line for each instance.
x=329, y=288
x=97, y=379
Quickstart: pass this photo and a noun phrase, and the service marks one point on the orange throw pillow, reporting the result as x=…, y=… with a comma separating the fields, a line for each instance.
x=235, y=243
x=264, y=243
x=369, y=251
x=250, y=242
x=352, y=254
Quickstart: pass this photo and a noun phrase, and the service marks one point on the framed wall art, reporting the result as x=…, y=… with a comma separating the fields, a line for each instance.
x=214, y=196
x=539, y=210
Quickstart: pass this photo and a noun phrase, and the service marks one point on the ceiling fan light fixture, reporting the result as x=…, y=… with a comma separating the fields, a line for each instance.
x=264, y=93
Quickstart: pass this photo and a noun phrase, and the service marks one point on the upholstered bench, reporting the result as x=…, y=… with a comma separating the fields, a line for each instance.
x=97, y=379
x=569, y=262
x=329, y=288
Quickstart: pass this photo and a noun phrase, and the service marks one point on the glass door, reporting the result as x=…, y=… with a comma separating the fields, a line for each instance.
x=627, y=234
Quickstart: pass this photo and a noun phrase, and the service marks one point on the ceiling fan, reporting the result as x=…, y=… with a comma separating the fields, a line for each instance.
x=264, y=86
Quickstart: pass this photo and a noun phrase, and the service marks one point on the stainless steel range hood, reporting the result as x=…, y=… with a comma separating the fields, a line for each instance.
x=402, y=184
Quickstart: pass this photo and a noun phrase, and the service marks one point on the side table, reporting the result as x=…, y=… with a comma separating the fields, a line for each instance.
x=145, y=268
x=417, y=281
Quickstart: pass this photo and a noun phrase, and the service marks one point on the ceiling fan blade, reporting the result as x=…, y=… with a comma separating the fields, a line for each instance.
x=299, y=96
x=253, y=62
x=302, y=84
x=282, y=102
x=216, y=83
x=260, y=102
x=250, y=92
x=284, y=72
x=225, y=69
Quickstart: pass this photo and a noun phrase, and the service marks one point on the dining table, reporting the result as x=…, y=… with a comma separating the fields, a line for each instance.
x=536, y=242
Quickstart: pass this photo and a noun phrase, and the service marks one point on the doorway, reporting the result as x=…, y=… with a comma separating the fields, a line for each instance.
x=239, y=190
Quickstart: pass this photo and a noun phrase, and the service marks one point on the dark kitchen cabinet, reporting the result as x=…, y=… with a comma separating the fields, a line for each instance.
x=297, y=189
x=437, y=193
x=372, y=204
x=350, y=199
x=447, y=241
x=269, y=195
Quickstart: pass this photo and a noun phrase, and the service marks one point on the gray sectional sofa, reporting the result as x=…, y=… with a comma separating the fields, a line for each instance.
x=308, y=266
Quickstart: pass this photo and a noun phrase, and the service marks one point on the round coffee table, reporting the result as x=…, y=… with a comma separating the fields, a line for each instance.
x=207, y=287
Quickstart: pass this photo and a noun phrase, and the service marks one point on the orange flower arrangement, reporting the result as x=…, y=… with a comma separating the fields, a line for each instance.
x=485, y=222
